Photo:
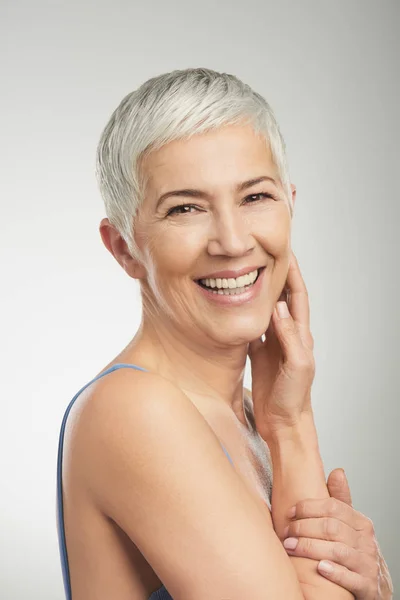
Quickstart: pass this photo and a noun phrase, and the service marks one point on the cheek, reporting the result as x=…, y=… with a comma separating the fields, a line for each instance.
x=273, y=235
x=176, y=250
x=273, y=232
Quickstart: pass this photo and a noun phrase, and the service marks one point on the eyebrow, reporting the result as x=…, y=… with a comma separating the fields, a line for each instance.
x=192, y=193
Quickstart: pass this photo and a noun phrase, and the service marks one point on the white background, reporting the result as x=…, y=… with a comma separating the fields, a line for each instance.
x=330, y=70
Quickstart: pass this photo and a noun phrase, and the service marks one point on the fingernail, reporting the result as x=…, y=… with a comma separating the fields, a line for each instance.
x=292, y=512
x=283, y=311
x=325, y=567
x=290, y=543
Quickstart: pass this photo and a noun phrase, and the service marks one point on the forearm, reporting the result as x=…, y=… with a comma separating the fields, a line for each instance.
x=298, y=473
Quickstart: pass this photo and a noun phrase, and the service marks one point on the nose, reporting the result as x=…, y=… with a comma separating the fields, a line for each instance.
x=230, y=235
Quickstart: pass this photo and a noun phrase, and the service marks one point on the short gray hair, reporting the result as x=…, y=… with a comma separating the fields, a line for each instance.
x=168, y=107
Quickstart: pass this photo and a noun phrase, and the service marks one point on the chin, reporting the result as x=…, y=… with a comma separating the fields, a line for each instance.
x=235, y=333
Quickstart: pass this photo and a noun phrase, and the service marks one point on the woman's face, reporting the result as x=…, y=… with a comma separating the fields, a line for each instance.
x=214, y=222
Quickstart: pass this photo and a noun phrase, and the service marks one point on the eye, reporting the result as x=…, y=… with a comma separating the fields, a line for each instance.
x=184, y=209
x=179, y=209
x=261, y=195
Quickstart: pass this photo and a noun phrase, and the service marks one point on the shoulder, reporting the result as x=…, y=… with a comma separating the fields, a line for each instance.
x=134, y=415
x=128, y=392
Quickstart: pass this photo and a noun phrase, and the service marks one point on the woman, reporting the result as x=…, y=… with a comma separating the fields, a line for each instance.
x=164, y=472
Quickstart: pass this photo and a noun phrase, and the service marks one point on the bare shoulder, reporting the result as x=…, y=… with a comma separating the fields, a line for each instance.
x=154, y=466
x=141, y=398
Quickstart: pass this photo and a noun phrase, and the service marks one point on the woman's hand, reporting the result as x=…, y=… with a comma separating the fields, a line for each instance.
x=283, y=366
x=332, y=529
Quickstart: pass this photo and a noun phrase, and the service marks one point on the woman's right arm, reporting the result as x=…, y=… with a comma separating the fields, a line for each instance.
x=151, y=462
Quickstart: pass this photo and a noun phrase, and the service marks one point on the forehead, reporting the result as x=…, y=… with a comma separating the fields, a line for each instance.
x=224, y=155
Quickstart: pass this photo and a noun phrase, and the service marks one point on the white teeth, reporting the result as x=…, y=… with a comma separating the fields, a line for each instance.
x=231, y=283
x=232, y=292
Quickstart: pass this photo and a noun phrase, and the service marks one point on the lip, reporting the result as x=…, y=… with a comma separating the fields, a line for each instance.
x=244, y=298
x=229, y=274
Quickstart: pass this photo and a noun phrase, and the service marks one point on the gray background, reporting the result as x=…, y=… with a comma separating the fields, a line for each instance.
x=330, y=70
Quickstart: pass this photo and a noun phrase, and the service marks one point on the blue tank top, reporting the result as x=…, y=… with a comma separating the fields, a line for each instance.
x=161, y=593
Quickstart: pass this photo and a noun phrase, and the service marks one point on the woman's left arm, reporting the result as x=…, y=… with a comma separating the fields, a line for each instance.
x=332, y=531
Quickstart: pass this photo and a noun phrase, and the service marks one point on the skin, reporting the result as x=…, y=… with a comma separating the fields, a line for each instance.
x=332, y=529
x=202, y=347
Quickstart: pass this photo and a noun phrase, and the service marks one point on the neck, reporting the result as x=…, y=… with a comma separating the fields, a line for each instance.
x=207, y=368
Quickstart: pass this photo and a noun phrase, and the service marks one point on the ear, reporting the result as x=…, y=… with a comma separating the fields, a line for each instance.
x=117, y=246
x=293, y=193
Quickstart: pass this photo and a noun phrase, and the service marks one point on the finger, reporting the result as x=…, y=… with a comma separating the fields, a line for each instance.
x=335, y=551
x=359, y=585
x=299, y=302
x=330, y=507
x=272, y=343
x=338, y=486
x=324, y=528
x=287, y=332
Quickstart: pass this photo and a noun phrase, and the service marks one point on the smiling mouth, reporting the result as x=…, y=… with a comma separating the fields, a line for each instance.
x=230, y=287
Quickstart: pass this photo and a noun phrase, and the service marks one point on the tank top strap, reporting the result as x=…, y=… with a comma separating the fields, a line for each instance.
x=227, y=454
x=161, y=594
